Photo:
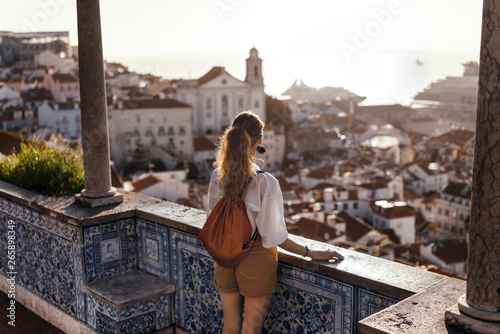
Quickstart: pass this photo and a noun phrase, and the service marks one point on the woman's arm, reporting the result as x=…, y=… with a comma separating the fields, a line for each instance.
x=315, y=254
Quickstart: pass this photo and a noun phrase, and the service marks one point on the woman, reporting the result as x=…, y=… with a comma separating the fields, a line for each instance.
x=236, y=178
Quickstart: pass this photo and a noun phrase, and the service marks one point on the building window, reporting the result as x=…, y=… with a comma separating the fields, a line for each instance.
x=138, y=118
x=224, y=101
x=182, y=130
x=446, y=212
x=161, y=131
x=257, y=104
x=355, y=205
x=208, y=103
x=171, y=131
x=346, y=206
x=256, y=71
x=240, y=102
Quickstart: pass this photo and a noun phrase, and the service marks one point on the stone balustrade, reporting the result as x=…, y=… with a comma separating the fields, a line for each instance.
x=65, y=251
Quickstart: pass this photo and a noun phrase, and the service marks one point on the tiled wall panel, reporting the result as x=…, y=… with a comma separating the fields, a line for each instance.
x=109, y=249
x=48, y=257
x=52, y=263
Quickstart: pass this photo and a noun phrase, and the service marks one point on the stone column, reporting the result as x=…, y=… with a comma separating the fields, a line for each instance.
x=95, y=142
x=482, y=298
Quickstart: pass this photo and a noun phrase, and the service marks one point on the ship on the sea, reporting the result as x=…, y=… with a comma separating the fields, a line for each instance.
x=454, y=98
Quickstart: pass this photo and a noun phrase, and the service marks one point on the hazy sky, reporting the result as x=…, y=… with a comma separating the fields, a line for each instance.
x=219, y=27
x=286, y=32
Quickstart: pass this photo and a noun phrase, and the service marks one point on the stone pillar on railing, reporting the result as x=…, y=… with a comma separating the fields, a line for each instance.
x=482, y=298
x=95, y=139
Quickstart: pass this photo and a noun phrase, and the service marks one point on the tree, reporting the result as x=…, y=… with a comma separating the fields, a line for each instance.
x=277, y=112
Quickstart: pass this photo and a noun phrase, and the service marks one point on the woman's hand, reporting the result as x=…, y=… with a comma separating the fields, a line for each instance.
x=323, y=254
x=315, y=254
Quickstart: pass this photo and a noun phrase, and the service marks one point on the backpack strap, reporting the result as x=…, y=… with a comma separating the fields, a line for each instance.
x=256, y=233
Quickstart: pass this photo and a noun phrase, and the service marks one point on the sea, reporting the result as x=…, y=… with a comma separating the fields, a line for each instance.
x=382, y=77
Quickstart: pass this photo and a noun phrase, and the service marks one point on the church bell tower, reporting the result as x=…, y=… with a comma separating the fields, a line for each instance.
x=254, y=69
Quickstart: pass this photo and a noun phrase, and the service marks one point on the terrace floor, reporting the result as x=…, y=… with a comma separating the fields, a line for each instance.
x=27, y=322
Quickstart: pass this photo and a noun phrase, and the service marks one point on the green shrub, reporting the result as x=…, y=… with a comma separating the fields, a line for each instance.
x=46, y=170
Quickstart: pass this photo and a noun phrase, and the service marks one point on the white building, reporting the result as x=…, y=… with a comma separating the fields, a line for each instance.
x=274, y=141
x=61, y=118
x=448, y=254
x=148, y=124
x=453, y=209
x=129, y=79
x=165, y=188
x=424, y=176
x=204, y=154
x=7, y=93
x=394, y=215
x=51, y=59
x=63, y=86
x=18, y=118
x=217, y=97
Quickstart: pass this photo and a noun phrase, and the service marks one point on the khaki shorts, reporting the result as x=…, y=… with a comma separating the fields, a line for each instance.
x=255, y=275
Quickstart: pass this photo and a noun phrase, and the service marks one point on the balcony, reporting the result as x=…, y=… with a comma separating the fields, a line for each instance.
x=63, y=250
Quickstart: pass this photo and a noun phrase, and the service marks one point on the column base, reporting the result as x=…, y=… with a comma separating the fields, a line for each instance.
x=454, y=316
x=94, y=202
x=475, y=312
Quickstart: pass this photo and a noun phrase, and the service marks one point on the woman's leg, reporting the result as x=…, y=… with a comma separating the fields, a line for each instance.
x=231, y=306
x=255, y=313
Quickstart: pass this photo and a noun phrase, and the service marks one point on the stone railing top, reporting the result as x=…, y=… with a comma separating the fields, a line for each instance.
x=386, y=277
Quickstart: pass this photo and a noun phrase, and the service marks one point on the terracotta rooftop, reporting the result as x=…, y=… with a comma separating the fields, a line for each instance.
x=284, y=185
x=391, y=234
x=382, y=109
x=291, y=171
x=322, y=186
x=64, y=77
x=409, y=194
x=10, y=142
x=450, y=251
x=153, y=104
x=36, y=94
x=202, y=143
x=321, y=173
x=212, y=74
x=458, y=189
x=147, y=182
x=430, y=168
x=391, y=211
x=313, y=229
x=356, y=228
x=457, y=137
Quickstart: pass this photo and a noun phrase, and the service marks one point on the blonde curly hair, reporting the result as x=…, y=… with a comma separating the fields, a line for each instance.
x=235, y=156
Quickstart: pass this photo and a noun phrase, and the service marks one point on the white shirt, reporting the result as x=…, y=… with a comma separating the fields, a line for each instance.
x=264, y=204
